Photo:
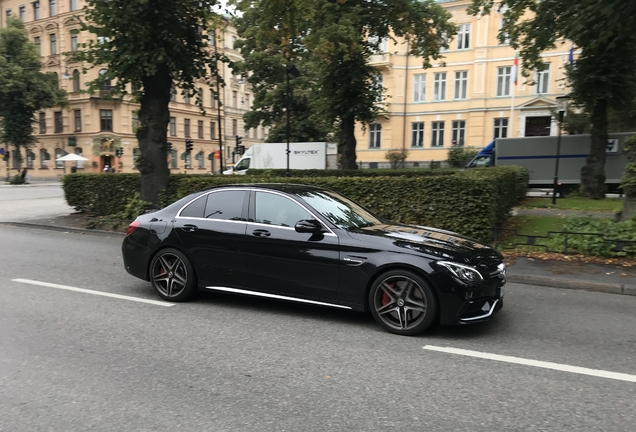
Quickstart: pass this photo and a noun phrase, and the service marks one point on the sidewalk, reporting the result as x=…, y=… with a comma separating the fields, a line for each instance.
x=568, y=273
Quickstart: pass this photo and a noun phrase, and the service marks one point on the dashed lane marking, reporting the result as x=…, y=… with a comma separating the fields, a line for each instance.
x=535, y=363
x=99, y=293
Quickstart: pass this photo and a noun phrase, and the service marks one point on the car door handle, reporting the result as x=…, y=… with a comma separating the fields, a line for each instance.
x=261, y=233
x=189, y=228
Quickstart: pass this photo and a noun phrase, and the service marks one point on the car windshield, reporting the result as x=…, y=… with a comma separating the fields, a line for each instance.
x=339, y=210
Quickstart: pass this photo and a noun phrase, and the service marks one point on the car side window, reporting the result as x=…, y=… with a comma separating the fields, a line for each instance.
x=195, y=208
x=278, y=210
x=225, y=205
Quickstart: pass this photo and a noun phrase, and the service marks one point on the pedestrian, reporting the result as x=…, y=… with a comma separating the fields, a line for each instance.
x=23, y=175
x=106, y=168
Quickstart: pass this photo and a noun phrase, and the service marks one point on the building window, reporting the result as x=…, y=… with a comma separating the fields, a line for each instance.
x=57, y=122
x=105, y=86
x=42, y=121
x=459, y=133
x=80, y=163
x=212, y=38
x=74, y=41
x=212, y=98
x=419, y=87
x=379, y=82
x=106, y=120
x=234, y=127
x=52, y=8
x=53, y=39
x=200, y=129
x=136, y=154
x=44, y=159
x=30, y=156
x=212, y=130
x=506, y=37
x=501, y=128
x=22, y=11
x=173, y=159
x=186, y=97
x=200, y=96
x=186, y=128
x=135, y=121
x=542, y=80
x=234, y=99
x=188, y=160
x=36, y=10
x=439, y=86
x=375, y=135
x=73, y=5
x=463, y=36
x=461, y=84
x=8, y=13
x=247, y=101
x=417, y=134
x=76, y=80
x=36, y=41
x=200, y=157
x=173, y=94
x=503, y=80
x=58, y=154
x=437, y=134
x=173, y=126
x=77, y=115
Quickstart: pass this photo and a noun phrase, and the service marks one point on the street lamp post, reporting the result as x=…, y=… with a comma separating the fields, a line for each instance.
x=293, y=71
x=562, y=107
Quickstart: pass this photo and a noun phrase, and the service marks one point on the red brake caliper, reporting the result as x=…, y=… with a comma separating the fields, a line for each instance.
x=385, y=297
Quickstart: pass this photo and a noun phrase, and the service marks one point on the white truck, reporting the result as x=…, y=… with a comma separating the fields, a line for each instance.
x=302, y=155
x=538, y=154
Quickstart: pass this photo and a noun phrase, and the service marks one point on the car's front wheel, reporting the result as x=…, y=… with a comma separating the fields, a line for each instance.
x=172, y=275
x=402, y=302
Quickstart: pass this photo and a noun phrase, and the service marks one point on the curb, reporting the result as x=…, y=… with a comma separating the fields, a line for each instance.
x=608, y=288
x=66, y=229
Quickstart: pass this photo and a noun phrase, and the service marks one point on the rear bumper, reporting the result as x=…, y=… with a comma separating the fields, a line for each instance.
x=136, y=258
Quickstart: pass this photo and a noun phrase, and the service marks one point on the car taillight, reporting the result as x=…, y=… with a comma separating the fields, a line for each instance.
x=133, y=226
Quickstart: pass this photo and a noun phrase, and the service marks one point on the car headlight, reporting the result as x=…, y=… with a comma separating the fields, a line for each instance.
x=460, y=271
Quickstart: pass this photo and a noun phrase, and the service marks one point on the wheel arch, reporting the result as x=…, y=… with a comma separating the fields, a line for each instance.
x=169, y=246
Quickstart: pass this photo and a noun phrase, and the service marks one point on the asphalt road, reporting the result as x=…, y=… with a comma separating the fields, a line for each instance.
x=76, y=361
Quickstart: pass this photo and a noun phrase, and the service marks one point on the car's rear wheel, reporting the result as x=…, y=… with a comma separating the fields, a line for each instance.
x=172, y=275
x=402, y=302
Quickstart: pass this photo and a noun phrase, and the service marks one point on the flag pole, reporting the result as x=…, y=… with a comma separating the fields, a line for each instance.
x=512, y=111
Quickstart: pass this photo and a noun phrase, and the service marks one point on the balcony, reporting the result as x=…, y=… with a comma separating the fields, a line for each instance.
x=380, y=60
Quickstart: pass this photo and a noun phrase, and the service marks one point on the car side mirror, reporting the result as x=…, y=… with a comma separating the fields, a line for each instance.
x=308, y=226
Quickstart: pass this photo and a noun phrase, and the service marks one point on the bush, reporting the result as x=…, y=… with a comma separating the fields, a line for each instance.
x=16, y=180
x=471, y=202
x=458, y=157
x=596, y=236
x=402, y=172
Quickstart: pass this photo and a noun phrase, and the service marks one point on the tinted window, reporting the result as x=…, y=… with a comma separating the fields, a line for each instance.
x=195, y=209
x=341, y=211
x=225, y=205
x=278, y=210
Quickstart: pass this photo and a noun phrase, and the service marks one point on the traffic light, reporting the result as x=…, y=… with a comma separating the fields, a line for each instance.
x=189, y=145
x=119, y=152
x=240, y=149
x=169, y=149
x=7, y=156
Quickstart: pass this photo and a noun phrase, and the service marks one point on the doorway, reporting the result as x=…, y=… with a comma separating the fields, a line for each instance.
x=107, y=162
x=538, y=126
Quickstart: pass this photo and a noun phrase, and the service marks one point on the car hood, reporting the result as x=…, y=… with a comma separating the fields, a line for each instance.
x=430, y=241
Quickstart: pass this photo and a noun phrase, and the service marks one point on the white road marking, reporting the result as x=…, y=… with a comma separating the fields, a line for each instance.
x=535, y=363
x=100, y=293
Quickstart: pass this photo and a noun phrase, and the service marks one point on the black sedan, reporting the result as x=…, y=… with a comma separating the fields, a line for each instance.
x=311, y=245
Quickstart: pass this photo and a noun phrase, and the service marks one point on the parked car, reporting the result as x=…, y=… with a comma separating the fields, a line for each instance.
x=311, y=245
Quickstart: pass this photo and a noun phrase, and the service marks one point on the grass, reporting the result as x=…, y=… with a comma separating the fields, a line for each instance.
x=517, y=228
x=575, y=203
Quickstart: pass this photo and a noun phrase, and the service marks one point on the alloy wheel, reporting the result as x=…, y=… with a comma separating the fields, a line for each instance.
x=169, y=275
x=400, y=303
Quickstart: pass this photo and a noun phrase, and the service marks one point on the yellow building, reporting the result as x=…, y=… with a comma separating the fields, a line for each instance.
x=467, y=101
x=95, y=126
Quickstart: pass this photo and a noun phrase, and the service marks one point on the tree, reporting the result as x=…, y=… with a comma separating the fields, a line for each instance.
x=337, y=38
x=148, y=46
x=24, y=89
x=603, y=75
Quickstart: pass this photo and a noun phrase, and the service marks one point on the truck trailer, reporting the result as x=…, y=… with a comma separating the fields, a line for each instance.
x=302, y=155
x=539, y=155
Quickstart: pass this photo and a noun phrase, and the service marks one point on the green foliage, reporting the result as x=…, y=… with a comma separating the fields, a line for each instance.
x=16, y=180
x=471, y=203
x=396, y=157
x=459, y=157
x=595, y=236
x=24, y=89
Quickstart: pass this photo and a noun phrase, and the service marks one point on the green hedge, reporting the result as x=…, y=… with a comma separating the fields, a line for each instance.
x=471, y=202
x=406, y=172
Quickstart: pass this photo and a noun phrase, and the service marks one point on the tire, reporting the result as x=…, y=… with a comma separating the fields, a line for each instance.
x=172, y=275
x=402, y=302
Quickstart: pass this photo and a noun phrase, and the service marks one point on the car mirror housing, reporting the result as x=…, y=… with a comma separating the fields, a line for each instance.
x=308, y=226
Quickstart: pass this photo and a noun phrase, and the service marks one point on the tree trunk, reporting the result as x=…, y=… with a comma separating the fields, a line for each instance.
x=152, y=135
x=347, y=131
x=593, y=172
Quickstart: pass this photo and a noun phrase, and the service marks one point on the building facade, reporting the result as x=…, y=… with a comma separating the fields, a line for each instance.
x=468, y=100
x=96, y=125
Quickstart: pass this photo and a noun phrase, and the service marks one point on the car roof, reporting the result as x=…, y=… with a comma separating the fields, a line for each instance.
x=281, y=187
